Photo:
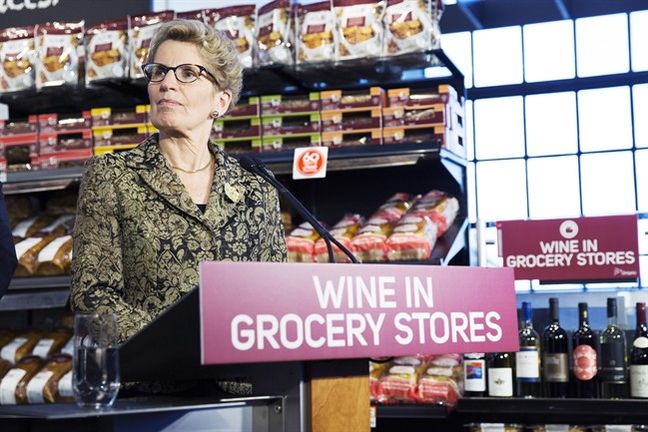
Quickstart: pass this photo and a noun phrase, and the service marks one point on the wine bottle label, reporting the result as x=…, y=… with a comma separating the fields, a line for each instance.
x=585, y=362
x=641, y=342
x=527, y=364
x=475, y=373
x=639, y=381
x=555, y=367
x=500, y=382
x=613, y=364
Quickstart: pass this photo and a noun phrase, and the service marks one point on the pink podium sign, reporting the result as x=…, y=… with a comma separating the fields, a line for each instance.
x=264, y=312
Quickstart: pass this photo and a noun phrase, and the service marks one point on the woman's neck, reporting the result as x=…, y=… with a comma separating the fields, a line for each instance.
x=186, y=152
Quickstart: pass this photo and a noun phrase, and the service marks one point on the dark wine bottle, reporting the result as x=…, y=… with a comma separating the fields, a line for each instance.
x=555, y=357
x=474, y=374
x=585, y=357
x=500, y=375
x=614, y=360
x=639, y=356
x=527, y=360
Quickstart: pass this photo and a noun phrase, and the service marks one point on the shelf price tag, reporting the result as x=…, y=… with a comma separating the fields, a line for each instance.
x=310, y=162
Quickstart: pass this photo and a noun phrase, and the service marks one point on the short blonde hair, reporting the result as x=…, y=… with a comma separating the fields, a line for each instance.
x=219, y=53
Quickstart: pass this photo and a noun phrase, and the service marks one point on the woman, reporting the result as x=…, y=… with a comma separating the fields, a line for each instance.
x=147, y=217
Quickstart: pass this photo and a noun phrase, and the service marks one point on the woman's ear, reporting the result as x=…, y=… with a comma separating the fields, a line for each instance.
x=223, y=100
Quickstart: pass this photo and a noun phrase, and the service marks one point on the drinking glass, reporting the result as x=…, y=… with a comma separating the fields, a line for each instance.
x=95, y=376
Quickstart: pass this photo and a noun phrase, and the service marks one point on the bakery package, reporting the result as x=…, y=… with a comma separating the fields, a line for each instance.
x=13, y=386
x=27, y=252
x=51, y=342
x=344, y=120
x=352, y=99
x=315, y=32
x=285, y=104
x=52, y=384
x=20, y=346
x=273, y=143
x=18, y=57
x=30, y=226
x=107, y=50
x=59, y=54
x=352, y=138
x=408, y=26
x=290, y=124
x=413, y=239
x=359, y=27
x=441, y=381
x=55, y=258
x=238, y=24
x=142, y=30
x=275, y=33
x=343, y=231
x=301, y=243
x=439, y=207
x=398, y=382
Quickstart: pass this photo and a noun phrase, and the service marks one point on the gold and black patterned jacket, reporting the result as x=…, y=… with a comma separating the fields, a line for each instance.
x=139, y=237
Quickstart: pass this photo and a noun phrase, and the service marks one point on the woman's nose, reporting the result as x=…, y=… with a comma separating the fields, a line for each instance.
x=169, y=80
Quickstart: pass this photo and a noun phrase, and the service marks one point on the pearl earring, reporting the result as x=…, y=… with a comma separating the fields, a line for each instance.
x=215, y=115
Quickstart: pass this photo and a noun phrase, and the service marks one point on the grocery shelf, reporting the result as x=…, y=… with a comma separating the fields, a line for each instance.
x=408, y=411
x=41, y=180
x=39, y=283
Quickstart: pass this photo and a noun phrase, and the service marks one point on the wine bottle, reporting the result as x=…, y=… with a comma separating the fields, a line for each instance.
x=500, y=375
x=585, y=357
x=555, y=346
x=639, y=356
x=474, y=374
x=614, y=361
x=527, y=360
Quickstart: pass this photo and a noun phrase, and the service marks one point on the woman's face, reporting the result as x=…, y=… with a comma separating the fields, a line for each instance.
x=179, y=108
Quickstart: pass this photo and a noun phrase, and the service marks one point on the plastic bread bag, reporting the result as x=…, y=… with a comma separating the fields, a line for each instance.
x=399, y=381
x=46, y=386
x=376, y=371
x=408, y=26
x=440, y=382
x=237, y=23
x=59, y=53
x=107, y=50
x=413, y=239
x=18, y=57
x=370, y=244
x=301, y=243
x=343, y=231
x=359, y=27
x=315, y=32
x=142, y=30
x=13, y=386
x=439, y=207
x=275, y=33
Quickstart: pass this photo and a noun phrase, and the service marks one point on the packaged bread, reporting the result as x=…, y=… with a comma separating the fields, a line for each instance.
x=30, y=226
x=59, y=53
x=107, y=50
x=360, y=28
x=438, y=207
x=51, y=343
x=60, y=226
x=20, y=346
x=315, y=32
x=27, y=252
x=46, y=385
x=5, y=366
x=55, y=258
x=301, y=243
x=343, y=231
x=238, y=24
x=196, y=15
x=13, y=387
x=18, y=56
x=6, y=336
x=376, y=371
x=274, y=34
x=413, y=239
x=142, y=30
x=408, y=26
x=398, y=383
x=441, y=381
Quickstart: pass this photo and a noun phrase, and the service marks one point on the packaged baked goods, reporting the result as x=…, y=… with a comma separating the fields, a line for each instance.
x=343, y=231
x=292, y=124
x=376, y=371
x=5, y=366
x=441, y=380
x=286, y=104
x=21, y=345
x=30, y=226
x=352, y=100
x=142, y=29
x=287, y=142
x=27, y=252
x=18, y=56
x=55, y=258
x=197, y=15
x=51, y=342
x=238, y=24
x=274, y=34
x=408, y=26
x=398, y=383
x=438, y=207
x=59, y=53
x=315, y=32
x=367, y=119
x=360, y=28
x=413, y=239
x=45, y=386
x=352, y=138
x=107, y=50
x=301, y=243
x=62, y=225
x=13, y=387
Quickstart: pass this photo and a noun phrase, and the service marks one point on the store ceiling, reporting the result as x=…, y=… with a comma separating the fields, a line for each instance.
x=468, y=15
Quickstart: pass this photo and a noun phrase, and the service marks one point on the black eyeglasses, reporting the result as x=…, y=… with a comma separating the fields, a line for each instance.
x=184, y=73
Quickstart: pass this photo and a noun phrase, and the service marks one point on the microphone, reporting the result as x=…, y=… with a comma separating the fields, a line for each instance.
x=255, y=166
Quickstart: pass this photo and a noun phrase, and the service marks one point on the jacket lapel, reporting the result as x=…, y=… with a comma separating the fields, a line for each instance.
x=151, y=166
